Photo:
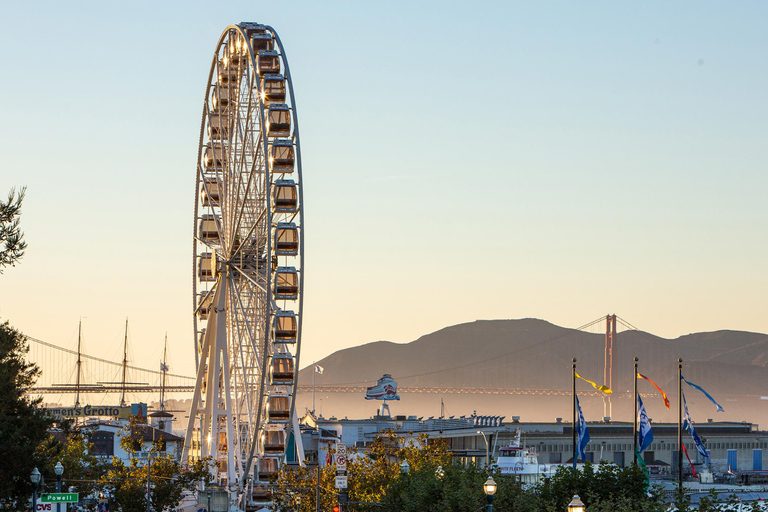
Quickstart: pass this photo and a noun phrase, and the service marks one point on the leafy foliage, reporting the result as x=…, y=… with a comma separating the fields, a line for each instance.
x=377, y=483
x=168, y=480
x=75, y=452
x=23, y=427
x=10, y=234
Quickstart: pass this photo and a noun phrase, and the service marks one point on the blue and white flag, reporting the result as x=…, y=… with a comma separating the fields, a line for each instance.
x=163, y=367
x=644, y=434
x=688, y=425
x=694, y=386
x=582, y=433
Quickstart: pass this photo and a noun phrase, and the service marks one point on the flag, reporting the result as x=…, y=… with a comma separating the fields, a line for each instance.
x=663, y=394
x=163, y=367
x=604, y=389
x=694, y=386
x=644, y=467
x=582, y=433
x=319, y=369
x=688, y=426
x=644, y=433
x=689, y=460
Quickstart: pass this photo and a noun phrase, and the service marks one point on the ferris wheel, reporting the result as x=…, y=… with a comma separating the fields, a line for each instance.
x=248, y=266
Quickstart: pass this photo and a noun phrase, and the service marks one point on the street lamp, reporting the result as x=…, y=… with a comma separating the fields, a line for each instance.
x=487, y=455
x=405, y=467
x=439, y=473
x=576, y=505
x=59, y=470
x=35, y=477
x=489, y=487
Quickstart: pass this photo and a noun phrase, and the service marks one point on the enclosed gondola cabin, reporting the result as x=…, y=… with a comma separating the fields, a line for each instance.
x=278, y=409
x=268, y=63
x=209, y=192
x=281, y=370
x=214, y=158
x=286, y=283
x=286, y=239
x=273, y=89
x=267, y=467
x=261, y=41
x=278, y=120
x=285, y=196
x=281, y=157
x=209, y=228
x=205, y=267
x=204, y=303
x=285, y=327
x=273, y=441
x=218, y=126
x=221, y=97
x=262, y=493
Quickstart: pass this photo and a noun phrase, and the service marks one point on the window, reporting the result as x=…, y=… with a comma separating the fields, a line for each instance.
x=555, y=458
x=103, y=443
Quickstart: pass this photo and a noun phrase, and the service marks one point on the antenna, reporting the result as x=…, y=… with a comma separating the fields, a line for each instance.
x=125, y=363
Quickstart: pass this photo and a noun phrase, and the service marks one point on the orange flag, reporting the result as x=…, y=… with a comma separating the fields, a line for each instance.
x=663, y=394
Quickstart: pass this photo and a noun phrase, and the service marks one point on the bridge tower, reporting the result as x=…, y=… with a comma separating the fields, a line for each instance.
x=610, y=338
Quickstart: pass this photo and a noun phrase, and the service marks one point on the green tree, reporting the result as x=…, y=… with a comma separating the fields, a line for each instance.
x=23, y=427
x=81, y=467
x=600, y=488
x=168, y=480
x=11, y=235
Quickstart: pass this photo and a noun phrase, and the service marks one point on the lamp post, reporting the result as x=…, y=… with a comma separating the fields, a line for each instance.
x=439, y=473
x=487, y=450
x=576, y=505
x=59, y=470
x=405, y=467
x=489, y=487
x=35, y=477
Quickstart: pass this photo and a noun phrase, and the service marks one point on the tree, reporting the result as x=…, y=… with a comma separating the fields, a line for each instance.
x=10, y=234
x=23, y=427
x=75, y=452
x=168, y=478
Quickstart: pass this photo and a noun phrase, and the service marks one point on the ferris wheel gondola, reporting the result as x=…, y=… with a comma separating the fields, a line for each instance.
x=248, y=265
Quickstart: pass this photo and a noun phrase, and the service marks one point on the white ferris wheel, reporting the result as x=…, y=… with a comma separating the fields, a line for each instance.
x=248, y=264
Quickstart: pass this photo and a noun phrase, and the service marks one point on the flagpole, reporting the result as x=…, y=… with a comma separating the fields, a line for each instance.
x=574, y=411
x=680, y=426
x=634, y=427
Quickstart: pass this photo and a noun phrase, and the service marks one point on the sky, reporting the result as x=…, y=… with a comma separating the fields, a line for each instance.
x=461, y=161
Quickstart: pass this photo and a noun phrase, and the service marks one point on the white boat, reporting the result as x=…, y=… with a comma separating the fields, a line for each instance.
x=523, y=463
x=385, y=389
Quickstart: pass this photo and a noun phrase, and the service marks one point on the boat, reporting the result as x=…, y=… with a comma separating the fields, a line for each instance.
x=385, y=389
x=523, y=462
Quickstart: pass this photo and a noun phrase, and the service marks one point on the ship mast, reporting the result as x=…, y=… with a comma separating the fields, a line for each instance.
x=164, y=368
x=79, y=363
x=125, y=363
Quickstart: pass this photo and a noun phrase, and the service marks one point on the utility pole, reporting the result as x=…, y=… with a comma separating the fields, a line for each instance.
x=125, y=363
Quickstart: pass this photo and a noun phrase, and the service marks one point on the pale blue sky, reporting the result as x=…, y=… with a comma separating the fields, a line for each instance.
x=556, y=160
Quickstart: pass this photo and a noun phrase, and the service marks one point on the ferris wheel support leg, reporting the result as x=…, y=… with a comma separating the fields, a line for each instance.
x=233, y=441
x=297, y=438
x=195, y=409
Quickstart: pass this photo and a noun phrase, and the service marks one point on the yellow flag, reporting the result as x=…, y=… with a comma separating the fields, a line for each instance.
x=604, y=389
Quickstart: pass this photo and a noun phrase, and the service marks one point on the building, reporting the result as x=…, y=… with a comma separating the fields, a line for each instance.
x=734, y=447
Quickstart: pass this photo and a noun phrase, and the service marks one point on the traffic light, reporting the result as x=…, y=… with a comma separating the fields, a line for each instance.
x=336, y=508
